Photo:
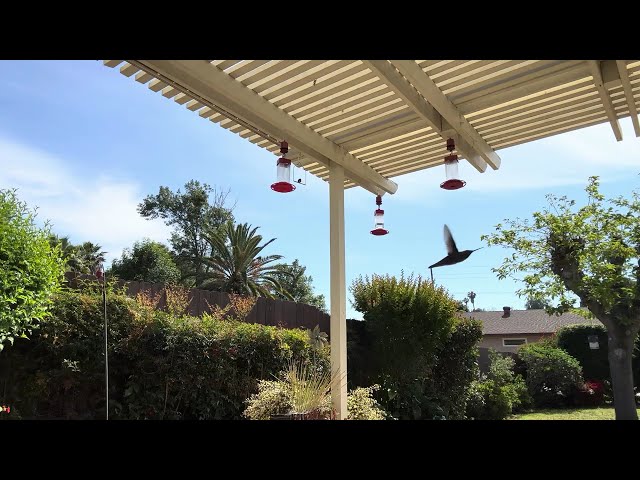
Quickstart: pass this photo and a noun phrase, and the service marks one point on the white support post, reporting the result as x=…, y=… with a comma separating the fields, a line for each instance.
x=338, y=291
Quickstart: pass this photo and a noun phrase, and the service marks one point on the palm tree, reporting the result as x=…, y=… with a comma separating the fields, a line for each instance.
x=91, y=256
x=73, y=262
x=236, y=265
x=472, y=296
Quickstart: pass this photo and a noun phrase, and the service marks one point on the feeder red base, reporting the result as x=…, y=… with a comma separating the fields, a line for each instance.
x=283, y=187
x=453, y=184
x=379, y=231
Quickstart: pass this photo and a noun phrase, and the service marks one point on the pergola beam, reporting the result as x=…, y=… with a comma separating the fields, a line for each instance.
x=432, y=94
x=214, y=88
x=626, y=85
x=399, y=84
x=596, y=72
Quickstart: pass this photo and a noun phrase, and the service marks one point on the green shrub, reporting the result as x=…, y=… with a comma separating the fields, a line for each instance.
x=412, y=344
x=160, y=366
x=30, y=270
x=455, y=368
x=362, y=406
x=553, y=376
x=274, y=397
x=502, y=372
x=489, y=401
x=500, y=393
x=408, y=317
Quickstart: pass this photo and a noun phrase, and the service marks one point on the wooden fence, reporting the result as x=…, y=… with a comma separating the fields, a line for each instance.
x=266, y=311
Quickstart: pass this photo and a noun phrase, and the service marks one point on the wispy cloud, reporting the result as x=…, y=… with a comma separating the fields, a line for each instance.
x=101, y=209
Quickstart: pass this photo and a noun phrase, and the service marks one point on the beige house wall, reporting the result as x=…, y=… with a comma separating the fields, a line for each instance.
x=495, y=341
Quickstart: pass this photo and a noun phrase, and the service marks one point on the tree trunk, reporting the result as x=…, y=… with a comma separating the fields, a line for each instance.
x=621, y=340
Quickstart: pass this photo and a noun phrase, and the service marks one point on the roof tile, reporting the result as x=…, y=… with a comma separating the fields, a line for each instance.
x=525, y=321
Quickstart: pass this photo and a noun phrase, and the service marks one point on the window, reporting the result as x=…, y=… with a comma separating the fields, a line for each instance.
x=513, y=342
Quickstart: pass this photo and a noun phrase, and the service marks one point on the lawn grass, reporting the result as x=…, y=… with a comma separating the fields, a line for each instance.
x=603, y=413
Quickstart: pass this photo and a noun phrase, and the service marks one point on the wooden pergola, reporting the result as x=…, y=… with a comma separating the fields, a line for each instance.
x=363, y=122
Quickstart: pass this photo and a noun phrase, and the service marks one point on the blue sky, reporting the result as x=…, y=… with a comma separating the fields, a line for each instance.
x=85, y=145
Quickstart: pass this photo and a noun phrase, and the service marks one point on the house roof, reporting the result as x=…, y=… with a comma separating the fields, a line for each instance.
x=525, y=321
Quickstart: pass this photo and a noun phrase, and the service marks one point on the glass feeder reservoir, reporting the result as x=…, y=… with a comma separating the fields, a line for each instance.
x=453, y=181
x=283, y=185
x=378, y=219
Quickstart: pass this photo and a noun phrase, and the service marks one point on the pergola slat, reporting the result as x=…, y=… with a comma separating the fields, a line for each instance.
x=392, y=127
x=428, y=89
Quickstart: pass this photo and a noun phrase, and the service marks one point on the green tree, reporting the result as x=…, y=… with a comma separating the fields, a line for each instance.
x=91, y=256
x=463, y=305
x=535, y=304
x=591, y=252
x=84, y=258
x=293, y=280
x=146, y=261
x=30, y=269
x=237, y=266
x=200, y=208
x=69, y=252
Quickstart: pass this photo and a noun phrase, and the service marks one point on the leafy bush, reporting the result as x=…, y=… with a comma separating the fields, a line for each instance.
x=553, y=376
x=455, y=368
x=30, y=269
x=274, y=397
x=362, y=406
x=413, y=345
x=489, y=401
x=160, y=366
x=499, y=393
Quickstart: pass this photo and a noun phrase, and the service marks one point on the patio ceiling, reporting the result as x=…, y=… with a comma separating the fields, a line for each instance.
x=380, y=118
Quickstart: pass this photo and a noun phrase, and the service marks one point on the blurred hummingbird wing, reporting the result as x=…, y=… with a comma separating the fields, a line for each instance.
x=449, y=242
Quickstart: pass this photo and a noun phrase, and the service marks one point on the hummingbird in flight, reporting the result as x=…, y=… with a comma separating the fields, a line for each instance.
x=453, y=255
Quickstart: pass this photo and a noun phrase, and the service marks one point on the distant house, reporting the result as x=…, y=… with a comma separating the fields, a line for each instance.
x=508, y=330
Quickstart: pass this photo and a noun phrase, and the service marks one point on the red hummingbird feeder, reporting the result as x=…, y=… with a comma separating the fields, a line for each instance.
x=453, y=181
x=283, y=185
x=378, y=219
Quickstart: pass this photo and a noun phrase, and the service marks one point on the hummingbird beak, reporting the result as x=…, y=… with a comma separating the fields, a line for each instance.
x=477, y=249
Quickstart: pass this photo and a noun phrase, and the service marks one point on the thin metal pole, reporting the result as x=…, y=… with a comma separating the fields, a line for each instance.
x=106, y=352
x=431, y=269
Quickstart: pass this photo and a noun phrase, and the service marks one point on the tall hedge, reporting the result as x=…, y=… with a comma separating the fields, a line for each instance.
x=160, y=366
x=30, y=270
x=412, y=343
x=455, y=368
x=574, y=339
